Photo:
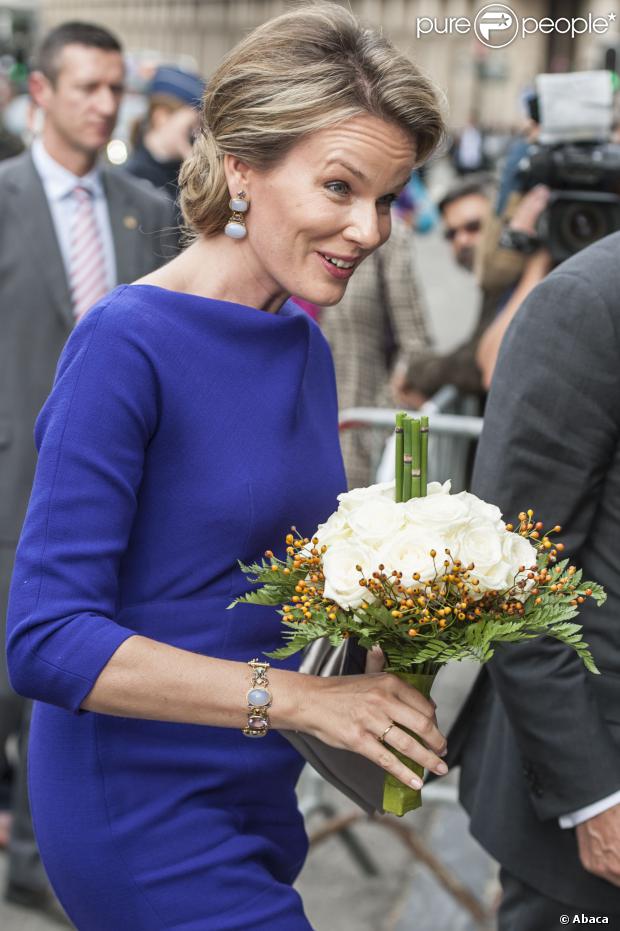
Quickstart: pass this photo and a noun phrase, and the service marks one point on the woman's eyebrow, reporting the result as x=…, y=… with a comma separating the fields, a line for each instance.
x=354, y=171
x=360, y=174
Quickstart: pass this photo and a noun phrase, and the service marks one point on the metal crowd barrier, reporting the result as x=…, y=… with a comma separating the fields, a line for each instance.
x=453, y=432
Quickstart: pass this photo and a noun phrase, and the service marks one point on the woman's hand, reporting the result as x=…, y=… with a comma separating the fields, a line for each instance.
x=353, y=712
x=152, y=680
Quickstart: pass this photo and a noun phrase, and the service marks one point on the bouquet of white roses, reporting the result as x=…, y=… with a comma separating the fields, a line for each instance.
x=429, y=579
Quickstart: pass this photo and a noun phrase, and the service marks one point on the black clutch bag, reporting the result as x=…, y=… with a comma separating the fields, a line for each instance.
x=354, y=775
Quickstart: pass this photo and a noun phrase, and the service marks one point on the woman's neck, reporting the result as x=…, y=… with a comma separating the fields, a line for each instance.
x=222, y=269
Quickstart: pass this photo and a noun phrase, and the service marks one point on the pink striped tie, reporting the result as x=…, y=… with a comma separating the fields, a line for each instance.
x=87, y=261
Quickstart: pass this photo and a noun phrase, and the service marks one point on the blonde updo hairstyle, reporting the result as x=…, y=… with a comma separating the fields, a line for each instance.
x=298, y=73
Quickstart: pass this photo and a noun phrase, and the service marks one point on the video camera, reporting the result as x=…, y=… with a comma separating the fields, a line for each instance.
x=576, y=158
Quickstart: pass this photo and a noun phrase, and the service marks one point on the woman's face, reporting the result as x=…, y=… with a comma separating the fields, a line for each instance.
x=324, y=208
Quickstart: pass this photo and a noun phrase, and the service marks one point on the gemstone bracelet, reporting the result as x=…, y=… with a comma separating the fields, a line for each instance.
x=259, y=700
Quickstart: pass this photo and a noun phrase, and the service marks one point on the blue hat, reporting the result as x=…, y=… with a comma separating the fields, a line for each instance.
x=185, y=86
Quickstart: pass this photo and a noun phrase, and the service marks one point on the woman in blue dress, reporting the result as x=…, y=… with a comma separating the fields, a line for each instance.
x=194, y=419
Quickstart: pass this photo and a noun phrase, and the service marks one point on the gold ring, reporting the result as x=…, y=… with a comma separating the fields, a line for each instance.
x=386, y=732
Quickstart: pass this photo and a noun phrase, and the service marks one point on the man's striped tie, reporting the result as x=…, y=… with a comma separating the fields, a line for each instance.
x=87, y=261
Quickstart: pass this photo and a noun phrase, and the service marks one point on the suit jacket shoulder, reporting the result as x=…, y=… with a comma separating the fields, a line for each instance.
x=138, y=191
x=14, y=170
x=595, y=272
x=144, y=225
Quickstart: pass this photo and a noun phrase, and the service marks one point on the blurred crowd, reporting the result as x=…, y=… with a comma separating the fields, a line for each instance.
x=73, y=204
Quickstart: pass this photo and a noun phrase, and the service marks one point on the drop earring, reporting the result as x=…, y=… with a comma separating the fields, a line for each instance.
x=235, y=228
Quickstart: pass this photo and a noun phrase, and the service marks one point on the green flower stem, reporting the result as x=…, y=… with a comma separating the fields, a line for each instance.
x=408, y=426
x=400, y=451
x=416, y=458
x=398, y=798
x=424, y=456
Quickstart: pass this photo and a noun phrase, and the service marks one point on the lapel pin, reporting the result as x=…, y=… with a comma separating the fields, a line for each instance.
x=130, y=222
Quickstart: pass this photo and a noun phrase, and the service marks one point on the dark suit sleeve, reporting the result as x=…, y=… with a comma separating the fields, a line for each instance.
x=551, y=428
x=168, y=230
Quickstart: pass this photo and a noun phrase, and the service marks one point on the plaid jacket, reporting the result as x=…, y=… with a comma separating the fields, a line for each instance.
x=380, y=322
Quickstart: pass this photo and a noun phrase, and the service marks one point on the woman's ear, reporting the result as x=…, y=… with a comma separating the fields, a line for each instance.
x=237, y=174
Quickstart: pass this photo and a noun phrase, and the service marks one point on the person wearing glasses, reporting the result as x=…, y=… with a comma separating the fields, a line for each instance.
x=464, y=209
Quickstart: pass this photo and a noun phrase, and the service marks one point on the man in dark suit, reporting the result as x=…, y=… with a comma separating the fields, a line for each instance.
x=69, y=232
x=538, y=740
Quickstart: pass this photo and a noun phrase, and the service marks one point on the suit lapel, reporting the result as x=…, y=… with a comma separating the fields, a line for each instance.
x=125, y=223
x=40, y=238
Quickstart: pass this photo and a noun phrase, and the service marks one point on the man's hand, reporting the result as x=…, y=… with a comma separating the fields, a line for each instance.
x=375, y=660
x=599, y=845
x=403, y=394
x=529, y=210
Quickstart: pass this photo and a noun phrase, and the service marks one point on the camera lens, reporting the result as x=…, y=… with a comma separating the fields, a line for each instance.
x=583, y=224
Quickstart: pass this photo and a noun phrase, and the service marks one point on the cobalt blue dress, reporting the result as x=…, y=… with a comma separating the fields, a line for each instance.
x=182, y=434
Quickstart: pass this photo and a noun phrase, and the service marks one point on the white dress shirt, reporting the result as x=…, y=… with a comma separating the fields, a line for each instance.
x=584, y=814
x=59, y=184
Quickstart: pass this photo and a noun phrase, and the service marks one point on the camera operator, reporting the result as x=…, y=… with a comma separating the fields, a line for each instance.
x=570, y=173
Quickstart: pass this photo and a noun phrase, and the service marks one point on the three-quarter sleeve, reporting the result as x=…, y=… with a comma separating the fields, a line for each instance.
x=92, y=436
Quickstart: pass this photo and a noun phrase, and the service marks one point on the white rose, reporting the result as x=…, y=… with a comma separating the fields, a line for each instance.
x=348, y=500
x=376, y=520
x=479, y=508
x=410, y=552
x=334, y=530
x=384, y=490
x=341, y=576
x=443, y=513
x=436, y=488
x=480, y=542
